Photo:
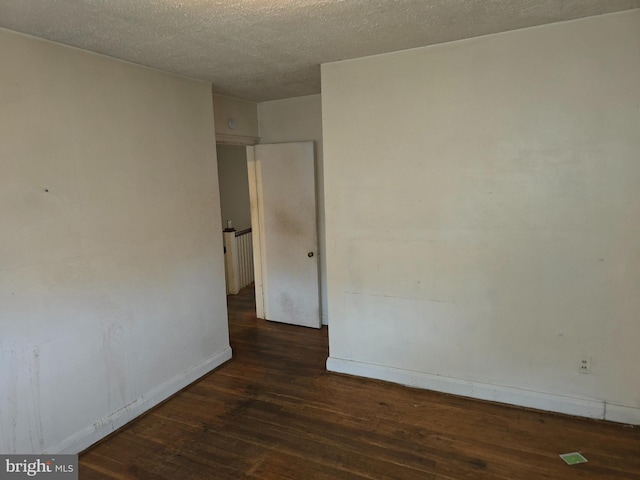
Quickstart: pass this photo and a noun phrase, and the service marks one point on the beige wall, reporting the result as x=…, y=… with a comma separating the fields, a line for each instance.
x=112, y=292
x=481, y=211
x=234, y=186
x=245, y=115
x=296, y=120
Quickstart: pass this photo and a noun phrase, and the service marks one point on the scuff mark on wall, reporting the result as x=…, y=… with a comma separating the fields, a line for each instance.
x=20, y=386
x=115, y=368
x=34, y=379
x=106, y=424
x=10, y=415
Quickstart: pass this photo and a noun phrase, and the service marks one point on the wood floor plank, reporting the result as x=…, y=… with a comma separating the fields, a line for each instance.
x=274, y=412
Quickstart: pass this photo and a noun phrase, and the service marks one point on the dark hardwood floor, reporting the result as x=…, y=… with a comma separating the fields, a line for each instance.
x=273, y=412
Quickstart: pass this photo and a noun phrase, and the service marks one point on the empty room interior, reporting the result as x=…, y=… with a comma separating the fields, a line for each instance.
x=441, y=200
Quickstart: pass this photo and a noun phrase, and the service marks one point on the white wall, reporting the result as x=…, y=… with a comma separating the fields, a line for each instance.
x=297, y=120
x=245, y=115
x=234, y=186
x=481, y=210
x=112, y=292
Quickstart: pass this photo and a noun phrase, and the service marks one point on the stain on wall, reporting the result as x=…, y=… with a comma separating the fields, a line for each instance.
x=20, y=384
x=115, y=365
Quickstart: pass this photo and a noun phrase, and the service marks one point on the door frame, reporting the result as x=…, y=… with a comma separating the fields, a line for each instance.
x=257, y=214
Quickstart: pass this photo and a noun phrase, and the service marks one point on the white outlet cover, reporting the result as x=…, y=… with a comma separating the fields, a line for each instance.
x=584, y=366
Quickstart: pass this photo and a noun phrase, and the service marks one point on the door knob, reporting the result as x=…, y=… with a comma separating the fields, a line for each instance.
x=310, y=254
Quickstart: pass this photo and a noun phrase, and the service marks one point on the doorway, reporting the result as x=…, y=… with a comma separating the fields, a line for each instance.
x=277, y=184
x=234, y=186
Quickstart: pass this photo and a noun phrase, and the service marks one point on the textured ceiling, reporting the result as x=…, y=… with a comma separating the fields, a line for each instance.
x=269, y=49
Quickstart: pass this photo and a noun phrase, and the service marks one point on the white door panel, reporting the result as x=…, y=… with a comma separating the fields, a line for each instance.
x=286, y=203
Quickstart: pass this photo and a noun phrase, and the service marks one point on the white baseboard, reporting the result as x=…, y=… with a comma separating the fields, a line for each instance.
x=100, y=429
x=622, y=414
x=484, y=391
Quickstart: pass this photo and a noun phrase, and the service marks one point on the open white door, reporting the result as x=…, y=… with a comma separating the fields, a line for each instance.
x=283, y=208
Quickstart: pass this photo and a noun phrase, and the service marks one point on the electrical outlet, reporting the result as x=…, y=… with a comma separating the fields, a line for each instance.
x=585, y=365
